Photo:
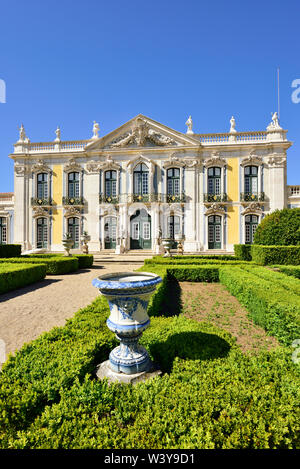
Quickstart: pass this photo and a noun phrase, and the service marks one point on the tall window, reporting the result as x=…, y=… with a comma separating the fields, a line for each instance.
x=214, y=180
x=111, y=183
x=3, y=230
x=42, y=186
x=73, y=229
x=173, y=226
x=141, y=179
x=41, y=233
x=251, y=222
x=173, y=181
x=73, y=185
x=251, y=180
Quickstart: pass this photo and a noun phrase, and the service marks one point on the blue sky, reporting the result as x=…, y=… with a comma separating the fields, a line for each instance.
x=68, y=63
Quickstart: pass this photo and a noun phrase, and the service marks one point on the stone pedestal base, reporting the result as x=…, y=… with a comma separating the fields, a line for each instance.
x=104, y=371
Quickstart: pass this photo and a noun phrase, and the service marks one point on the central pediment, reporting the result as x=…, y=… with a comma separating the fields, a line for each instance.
x=142, y=132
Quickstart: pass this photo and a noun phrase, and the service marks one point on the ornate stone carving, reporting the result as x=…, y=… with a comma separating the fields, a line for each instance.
x=215, y=209
x=277, y=161
x=274, y=125
x=252, y=159
x=93, y=167
x=96, y=129
x=110, y=164
x=21, y=169
x=253, y=207
x=173, y=161
x=214, y=160
x=40, y=212
x=40, y=166
x=72, y=165
x=72, y=212
x=22, y=135
x=141, y=159
x=232, y=126
x=140, y=134
x=57, y=133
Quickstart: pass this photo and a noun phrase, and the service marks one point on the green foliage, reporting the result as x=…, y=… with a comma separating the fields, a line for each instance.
x=84, y=260
x=243, y=252
x=268, y=255
x=54, y=265
x=280, y=228
x=290, y=270
x=14, y=276
x=10, y=250
x=196, y=260
x=270, y=303
x=275, y=277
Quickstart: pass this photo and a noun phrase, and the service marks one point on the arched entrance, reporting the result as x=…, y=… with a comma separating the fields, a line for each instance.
x=110, y=232
x=140, y=230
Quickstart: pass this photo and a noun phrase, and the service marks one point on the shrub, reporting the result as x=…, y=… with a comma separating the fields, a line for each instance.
x=271, y=305
x=290, y=270
x=243, y=252
x=280, y=228
x=266, y=255
x=14, y=276
x=84, y=260
x=54, y=265
x=10, y=250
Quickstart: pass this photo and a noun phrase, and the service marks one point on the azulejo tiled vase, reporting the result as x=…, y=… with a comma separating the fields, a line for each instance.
x=128, y=296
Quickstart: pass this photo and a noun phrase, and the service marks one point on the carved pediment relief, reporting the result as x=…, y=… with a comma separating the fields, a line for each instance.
x=40, y=166
x=140, y=135
x=214, y=160
x=21, y=169
x=277, y=160
x=72, y=212
x=40, y=212
x=141, y=159
x=172, y=161
x=215, y=209
x=253, y=207
x=252, y=159
x=72, y=165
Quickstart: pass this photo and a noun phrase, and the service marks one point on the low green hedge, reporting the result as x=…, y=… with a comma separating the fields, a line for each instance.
x=14, y=276
x=243, y=251
x=189, y=259
x=275, y=277
x=84, y=260
x=290, y=270
x=54, y=265
x=270, y=304
x=268, y=255
x=10, y=250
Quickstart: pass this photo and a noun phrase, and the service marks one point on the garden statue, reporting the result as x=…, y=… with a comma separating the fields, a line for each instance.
x=189, y=124
x=57, y=133
x=232, y=125
x=85, y=238
x=96, y=129
x=128, y=295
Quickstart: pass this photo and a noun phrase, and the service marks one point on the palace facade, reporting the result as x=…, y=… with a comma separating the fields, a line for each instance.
x=144, y=181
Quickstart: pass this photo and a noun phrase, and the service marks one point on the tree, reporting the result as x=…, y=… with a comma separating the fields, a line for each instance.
x=280, y=228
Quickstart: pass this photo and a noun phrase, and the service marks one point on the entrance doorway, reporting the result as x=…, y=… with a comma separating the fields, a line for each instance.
x=73, y=229
x=140, y=230
x=214, y=232
x=110, y=233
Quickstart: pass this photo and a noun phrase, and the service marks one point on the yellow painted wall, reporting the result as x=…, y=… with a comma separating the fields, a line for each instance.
x=233, y=220
x=57, y=188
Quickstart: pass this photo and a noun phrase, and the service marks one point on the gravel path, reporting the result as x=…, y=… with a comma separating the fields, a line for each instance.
x=28, y=312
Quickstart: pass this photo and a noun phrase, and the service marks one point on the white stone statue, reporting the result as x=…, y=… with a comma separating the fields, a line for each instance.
x=189, y=124
x=232, y=125
x=22, y=134
x=275, y=122
x=96, y=129
x=57, y=132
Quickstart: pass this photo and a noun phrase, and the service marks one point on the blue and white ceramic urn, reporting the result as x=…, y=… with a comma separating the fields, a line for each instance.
x=128, y=295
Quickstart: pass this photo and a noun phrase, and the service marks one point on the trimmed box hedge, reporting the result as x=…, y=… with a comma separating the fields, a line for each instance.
x=84, y=260
x=268, y=255
x=243, y=251
x=290, y=270
x=14, y=276
x=10, y=250
x=54, y=265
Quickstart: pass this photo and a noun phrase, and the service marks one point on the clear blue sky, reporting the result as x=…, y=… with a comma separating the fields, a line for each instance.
x=68, y=63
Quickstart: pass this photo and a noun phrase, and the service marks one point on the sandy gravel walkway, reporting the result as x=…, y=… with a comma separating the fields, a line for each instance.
x=27, y=312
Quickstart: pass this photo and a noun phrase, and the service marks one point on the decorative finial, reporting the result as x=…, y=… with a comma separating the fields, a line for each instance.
x=189, y=124
x=275, y=122
x=232, y=125
x=57, y=132
x=96, y=129
x=22, y=135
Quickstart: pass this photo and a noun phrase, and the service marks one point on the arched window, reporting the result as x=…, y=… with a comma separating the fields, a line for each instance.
x=42, y=186
x=173, y=181
x=3, y=230
x=141, y=179
x=73, y=185
x=74, y=230
x=214, y=232
x=110, y=183
x=251, y=222
x=214, y=180
x=251, y=180
x=41, y=233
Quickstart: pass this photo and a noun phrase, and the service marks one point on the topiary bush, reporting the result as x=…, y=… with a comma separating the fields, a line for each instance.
x=10, y=250
x=279, y=228
x=243, y=252
x=14, y=276
x=54, y=265
x=268, y=255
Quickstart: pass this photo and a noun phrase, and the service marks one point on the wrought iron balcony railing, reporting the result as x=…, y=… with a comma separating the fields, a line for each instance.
x=41, y=201
x=108, y=199
x=73, y=201
x=252, y=197
x=215, y=197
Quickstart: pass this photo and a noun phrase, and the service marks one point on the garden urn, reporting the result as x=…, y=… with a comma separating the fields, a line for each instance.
x=167, y=244
x=67, y=243
x=128, y=295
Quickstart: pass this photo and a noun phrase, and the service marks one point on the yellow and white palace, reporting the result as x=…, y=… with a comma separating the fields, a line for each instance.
x=145, y=181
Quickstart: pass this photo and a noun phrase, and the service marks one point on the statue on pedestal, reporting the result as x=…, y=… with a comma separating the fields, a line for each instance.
x=189, y=124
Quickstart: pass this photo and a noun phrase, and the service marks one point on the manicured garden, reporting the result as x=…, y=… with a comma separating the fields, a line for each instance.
x=212, y=394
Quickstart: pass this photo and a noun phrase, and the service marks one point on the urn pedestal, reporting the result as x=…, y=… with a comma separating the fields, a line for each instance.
x=167, y=244
x=128, y=295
